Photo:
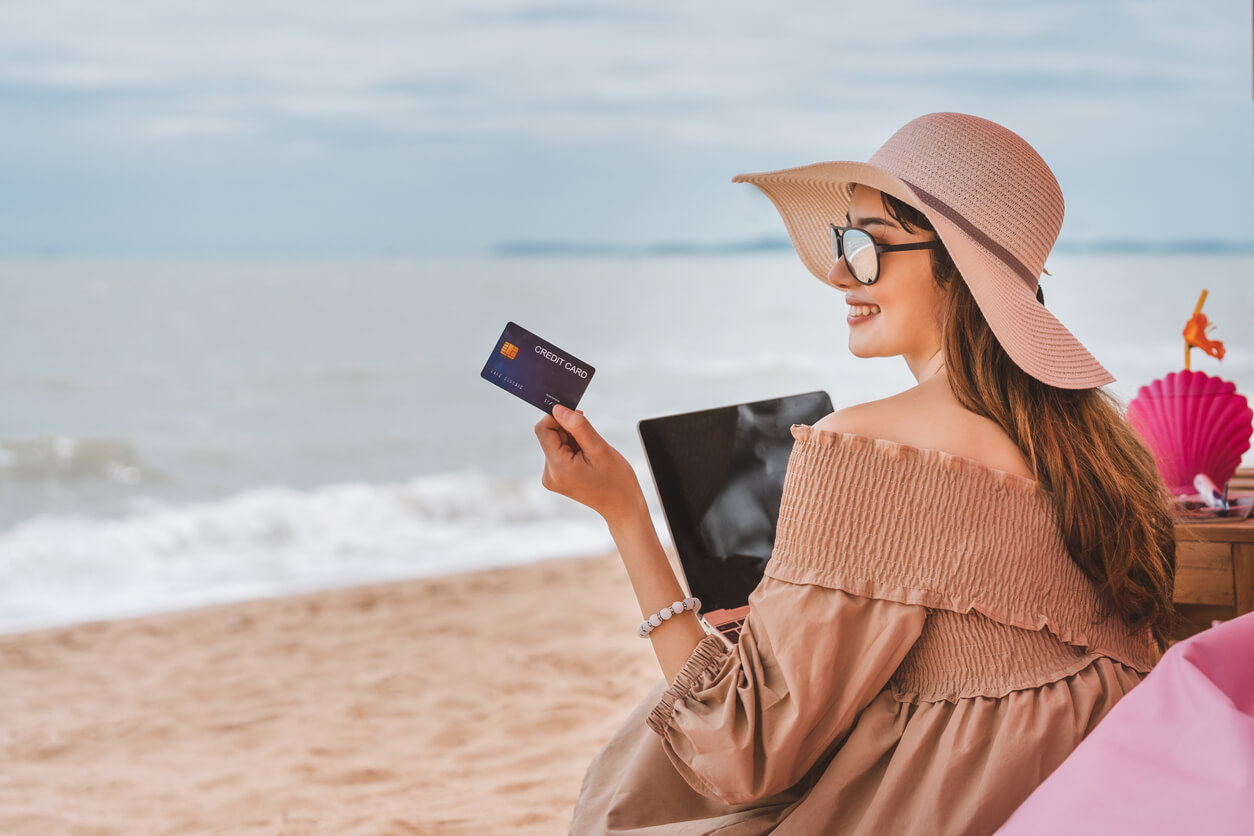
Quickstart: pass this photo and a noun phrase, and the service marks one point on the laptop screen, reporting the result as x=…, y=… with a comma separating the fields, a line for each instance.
x=719, y=475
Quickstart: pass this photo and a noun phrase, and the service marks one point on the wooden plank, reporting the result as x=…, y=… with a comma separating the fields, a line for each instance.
x=1243, y=479
x=1216, y=532
x=1243, y=576
x=1194, y=618
x=1204, y=574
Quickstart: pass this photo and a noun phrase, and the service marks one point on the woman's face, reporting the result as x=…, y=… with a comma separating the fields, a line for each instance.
x=902, y=312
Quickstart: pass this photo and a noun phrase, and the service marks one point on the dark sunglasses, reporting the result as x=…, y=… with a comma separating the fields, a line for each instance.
x=862, y=254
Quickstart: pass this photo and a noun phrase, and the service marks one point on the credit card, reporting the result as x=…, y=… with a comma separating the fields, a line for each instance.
x=536, y=370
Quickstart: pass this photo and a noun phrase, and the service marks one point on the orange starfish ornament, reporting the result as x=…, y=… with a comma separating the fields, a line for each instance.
x=1195, y=334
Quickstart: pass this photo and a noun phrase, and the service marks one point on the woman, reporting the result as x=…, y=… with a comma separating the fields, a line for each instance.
x=966, y=576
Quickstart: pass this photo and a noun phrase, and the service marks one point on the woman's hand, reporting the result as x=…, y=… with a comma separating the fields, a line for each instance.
x=579, y=464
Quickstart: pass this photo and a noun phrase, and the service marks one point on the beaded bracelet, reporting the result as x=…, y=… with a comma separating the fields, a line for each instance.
x=655, y=620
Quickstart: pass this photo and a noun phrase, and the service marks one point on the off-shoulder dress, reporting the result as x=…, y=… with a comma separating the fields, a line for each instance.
x=921, y=653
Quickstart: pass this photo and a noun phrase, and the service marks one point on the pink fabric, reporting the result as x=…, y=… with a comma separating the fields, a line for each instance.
x=1176, y=755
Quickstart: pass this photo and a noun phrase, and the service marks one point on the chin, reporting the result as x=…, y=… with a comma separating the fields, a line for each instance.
x=864, y=351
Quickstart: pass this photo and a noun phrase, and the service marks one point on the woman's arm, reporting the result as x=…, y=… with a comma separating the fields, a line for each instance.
x=580, y=464
x=655, y=586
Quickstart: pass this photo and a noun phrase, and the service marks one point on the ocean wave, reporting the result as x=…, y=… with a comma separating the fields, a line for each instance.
x=277, y=540
x=62, y=458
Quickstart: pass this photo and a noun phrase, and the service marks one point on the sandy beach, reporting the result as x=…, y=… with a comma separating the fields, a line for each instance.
x=460, y=705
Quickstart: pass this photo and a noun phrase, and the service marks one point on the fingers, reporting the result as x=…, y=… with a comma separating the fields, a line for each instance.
x=555, y=441
x=550, y=433
x=575, y=423
x=561, y=441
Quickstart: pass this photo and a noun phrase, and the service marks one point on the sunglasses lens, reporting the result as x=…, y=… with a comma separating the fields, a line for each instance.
x=860, y=255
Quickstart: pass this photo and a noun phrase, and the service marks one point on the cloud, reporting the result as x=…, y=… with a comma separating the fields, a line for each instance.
x=544, y=93
x=175, y=127
x=671, y=72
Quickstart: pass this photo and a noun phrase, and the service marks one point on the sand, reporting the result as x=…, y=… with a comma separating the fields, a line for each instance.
x=459, y=705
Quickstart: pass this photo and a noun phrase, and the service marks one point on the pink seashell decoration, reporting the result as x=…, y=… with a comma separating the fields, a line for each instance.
x=1193, y=423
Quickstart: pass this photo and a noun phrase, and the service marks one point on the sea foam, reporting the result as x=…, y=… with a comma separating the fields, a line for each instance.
x=273, y=540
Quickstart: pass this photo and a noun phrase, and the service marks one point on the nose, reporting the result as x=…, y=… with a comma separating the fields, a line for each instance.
x=840, y=277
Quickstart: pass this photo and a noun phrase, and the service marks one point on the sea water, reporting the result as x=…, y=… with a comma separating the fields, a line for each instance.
x=182, y=433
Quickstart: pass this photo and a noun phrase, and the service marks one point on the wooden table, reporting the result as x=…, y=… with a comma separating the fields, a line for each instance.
x=1215, y=567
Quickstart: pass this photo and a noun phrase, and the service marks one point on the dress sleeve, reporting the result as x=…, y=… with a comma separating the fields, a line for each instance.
x=744, y=723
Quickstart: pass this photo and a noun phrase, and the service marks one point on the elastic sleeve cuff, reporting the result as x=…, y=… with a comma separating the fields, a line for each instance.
x=706, y=659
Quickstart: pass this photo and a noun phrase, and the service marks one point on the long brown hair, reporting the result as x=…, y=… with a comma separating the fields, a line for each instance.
x=1111, y=502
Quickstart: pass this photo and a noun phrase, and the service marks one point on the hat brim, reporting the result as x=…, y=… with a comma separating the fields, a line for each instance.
x=810, y=198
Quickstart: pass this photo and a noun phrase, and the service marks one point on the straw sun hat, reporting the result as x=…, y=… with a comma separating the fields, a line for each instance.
x=995, y=205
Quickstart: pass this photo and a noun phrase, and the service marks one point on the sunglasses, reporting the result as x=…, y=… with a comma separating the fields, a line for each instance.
x=862, y=254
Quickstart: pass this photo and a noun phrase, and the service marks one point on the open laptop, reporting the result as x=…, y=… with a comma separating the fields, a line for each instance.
x=719, y=474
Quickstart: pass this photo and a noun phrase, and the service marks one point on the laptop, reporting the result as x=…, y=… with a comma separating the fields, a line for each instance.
x=719, y=475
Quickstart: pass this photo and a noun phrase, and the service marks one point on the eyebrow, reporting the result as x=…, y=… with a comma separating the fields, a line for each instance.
x=871, y=222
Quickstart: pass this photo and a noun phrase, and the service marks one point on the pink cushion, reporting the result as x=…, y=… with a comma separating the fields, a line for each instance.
x=1176, y=755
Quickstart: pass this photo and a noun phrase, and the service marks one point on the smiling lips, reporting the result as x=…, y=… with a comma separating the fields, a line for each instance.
x=861, y=313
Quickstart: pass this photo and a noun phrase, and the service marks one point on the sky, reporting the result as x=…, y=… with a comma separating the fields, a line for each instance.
x=440, y=128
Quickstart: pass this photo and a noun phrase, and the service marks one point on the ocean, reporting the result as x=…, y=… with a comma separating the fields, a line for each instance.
x=182, y=433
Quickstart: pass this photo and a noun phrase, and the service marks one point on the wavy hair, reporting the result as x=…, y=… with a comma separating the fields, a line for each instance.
x=1112, y=505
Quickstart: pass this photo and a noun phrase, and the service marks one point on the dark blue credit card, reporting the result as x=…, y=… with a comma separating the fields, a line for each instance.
x=536, y=370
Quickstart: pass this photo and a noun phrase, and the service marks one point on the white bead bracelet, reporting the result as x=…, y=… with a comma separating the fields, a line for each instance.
x=655, y=620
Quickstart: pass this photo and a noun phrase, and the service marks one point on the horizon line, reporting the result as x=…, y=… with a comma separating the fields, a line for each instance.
x=559, y=248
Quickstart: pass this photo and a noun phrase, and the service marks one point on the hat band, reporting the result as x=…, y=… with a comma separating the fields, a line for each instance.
x=1000, y=252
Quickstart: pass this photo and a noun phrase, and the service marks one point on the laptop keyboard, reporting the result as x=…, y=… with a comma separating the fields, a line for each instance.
x=728, y=622
x=732, y=629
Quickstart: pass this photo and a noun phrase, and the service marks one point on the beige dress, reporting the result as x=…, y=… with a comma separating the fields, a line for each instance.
x=920, y=655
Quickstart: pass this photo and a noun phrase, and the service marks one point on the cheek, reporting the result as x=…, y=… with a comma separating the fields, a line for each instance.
x=911, y=316
x=926, y=304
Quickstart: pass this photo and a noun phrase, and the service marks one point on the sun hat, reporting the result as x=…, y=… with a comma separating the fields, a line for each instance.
x=995, y=205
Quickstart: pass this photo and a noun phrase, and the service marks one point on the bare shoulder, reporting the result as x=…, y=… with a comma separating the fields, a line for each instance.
x=901, y=417
x=859, y=419
x=929, y=417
